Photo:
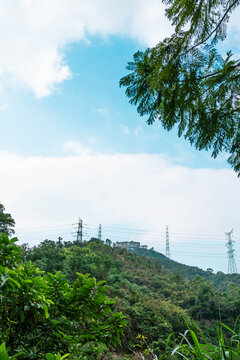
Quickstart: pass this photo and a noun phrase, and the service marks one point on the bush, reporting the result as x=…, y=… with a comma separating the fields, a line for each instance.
x=42, y=312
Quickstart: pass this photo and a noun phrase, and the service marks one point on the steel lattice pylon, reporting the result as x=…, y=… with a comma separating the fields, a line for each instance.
x=167, y=253
x=100, y=232
x=232, y=268
x=79, y=231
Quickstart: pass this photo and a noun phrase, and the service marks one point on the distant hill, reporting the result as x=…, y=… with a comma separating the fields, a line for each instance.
x=219, y=280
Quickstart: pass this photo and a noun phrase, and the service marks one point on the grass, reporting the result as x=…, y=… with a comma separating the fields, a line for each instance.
x=227, y=348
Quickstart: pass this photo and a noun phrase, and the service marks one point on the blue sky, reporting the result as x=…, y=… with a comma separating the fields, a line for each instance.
x=72, y=145
x=90, y=108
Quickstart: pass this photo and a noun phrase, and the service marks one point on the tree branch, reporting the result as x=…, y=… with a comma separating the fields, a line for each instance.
x=218, y=72
x=214, y=30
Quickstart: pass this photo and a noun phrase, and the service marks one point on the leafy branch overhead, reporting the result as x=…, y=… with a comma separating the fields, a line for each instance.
x=184, y=81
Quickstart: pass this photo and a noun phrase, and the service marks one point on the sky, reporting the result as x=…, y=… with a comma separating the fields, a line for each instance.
x=71, y=146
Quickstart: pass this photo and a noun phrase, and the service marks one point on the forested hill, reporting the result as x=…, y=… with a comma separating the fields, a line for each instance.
x=153, y=299
x=219, y=280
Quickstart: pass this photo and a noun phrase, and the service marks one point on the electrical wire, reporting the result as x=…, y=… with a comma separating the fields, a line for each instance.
x=117, y=233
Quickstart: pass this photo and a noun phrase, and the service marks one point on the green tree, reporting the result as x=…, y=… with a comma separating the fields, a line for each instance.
x=184, y=81
x=6, y=222
x=48, y=255
x=42, y=312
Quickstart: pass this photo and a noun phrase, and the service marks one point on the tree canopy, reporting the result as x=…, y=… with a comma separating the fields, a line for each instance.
x=184, y=81
x=42, y=312
x=7, y=223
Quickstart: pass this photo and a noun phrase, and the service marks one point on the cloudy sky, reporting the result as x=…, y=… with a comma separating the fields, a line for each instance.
x=71, y=145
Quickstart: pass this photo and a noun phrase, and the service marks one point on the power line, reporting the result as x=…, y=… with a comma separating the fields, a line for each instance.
x=123, y=230
x=46, y=227
x=117, y=237
x=192, y=241
x=196, y=254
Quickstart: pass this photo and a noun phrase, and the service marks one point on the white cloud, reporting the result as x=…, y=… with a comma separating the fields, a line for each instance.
x=76, y=148
x=138, y=130
x=125, y=129
x=141, y=191
x=234, y=20
x=145, y=190
x=34, y=34
x=104, y=112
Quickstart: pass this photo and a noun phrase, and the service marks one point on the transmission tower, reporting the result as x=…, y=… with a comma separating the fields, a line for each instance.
x=79, y=231
x=100, y=232
x=167, y=253
x=232, y=268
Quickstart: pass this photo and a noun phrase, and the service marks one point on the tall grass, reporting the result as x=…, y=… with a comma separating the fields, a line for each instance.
x=227, y=348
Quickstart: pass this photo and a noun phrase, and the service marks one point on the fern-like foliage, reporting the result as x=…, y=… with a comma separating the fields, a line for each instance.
x=183, y=81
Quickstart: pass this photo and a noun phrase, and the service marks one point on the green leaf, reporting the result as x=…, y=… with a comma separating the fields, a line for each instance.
x=17, y=355
x=101, y=282
x=64, y=356
x=45, y=308
x=22, y=317
x=13, y=240
x=50, y=356
x=3, y=352
x=14, y=282
x=228, y=328
x=199, y=350
x=5, y=238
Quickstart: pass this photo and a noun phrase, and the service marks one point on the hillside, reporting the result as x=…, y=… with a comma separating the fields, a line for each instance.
x=219, y=280
x=153, y=298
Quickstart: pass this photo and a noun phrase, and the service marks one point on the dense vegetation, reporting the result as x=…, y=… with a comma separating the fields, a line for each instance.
x=154, y=300
x=54, y=303
x=43, y=312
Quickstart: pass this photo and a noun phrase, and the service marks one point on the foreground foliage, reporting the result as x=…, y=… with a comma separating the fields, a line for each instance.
x=228, y=345
x=42, y=312
x=45, y=311
x=4, y=355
